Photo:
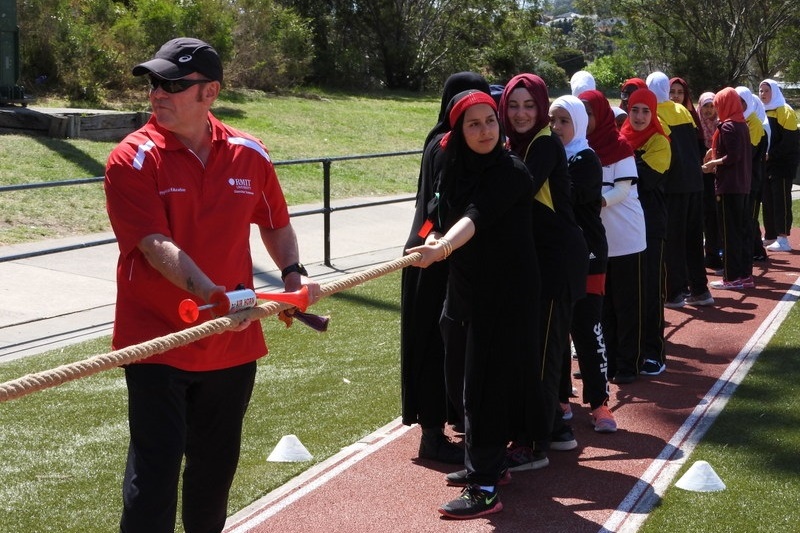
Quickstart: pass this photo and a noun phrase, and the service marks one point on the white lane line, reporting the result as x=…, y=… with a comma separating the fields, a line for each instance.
x=647, y=492
x=261, y=510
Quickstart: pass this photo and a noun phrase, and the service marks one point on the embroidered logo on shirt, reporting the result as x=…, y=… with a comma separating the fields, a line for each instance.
x=241, y=185
x=170, y=190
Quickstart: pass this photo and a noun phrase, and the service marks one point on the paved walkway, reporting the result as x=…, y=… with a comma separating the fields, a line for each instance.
x=59, y=299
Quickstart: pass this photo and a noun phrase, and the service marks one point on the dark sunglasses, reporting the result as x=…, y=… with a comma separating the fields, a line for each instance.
x=174, y=86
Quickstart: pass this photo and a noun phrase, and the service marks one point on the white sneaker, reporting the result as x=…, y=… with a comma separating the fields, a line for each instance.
x=781, y=244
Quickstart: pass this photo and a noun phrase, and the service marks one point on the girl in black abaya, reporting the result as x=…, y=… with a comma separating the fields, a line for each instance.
x=483, y=218
x=424, y=398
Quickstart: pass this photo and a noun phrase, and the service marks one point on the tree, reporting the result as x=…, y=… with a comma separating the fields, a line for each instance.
x=711, y=45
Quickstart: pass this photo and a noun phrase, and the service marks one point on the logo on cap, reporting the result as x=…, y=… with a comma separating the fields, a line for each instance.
x=184, y=59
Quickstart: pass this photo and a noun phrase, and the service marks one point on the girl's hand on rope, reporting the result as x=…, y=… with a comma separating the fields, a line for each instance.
x=431, y=253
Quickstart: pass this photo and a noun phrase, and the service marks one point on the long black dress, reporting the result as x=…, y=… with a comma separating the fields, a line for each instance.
x=422, y=292
x=424, y=399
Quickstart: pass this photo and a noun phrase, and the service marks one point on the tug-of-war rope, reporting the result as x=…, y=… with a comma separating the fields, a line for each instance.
x=17, y=388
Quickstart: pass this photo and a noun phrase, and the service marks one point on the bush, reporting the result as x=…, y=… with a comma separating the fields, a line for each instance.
x=610, y=71
x=272, y=47
x=82, y=50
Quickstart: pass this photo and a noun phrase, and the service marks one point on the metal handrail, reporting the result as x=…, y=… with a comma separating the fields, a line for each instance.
x=326, y=209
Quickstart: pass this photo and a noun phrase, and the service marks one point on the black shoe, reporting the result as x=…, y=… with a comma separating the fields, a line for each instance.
x=435, y=446
x=760, y=257
x=651, y=367
x=519, y=458
x=676, y=302
x=472, y=503
x=564, y=441
x=623, y=378
x=459, y=478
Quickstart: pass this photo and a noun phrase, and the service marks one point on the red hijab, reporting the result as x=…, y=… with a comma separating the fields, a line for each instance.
x=460, y=103
x=638, y=138
x=606, y=140
x=639, y=83
x=538, y=90
x=729, y=109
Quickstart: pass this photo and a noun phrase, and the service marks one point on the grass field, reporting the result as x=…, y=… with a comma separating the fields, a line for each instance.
x=753, y=447
x=63, y=449
x=292, y=128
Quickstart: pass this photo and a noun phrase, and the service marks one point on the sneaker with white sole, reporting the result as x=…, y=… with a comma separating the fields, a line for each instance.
x=521, y=458
x=781, y=244
x=675, y=303
x=651, y=367
x=603, y=420
x=700, y=299
x=566, y=411
x=748, y=282
x=564, y=441
x=726, y=284
x=459, y=478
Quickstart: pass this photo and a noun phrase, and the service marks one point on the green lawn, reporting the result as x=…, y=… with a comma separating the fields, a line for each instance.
x=63, y=449
x=753, y=447
x=292, y=127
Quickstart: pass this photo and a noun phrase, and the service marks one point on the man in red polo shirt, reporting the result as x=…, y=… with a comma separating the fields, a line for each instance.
x=181, y=194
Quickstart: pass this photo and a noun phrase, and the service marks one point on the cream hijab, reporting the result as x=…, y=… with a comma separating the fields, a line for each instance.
x=580, y=120
x=777, y=95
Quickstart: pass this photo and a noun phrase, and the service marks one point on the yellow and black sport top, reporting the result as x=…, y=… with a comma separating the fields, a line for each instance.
x=684, y=174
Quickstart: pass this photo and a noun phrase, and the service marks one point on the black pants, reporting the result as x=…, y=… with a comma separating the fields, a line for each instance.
x=736, y=224
x=485, y=448
x=623, y=313
x=683, y=252
x=455, y=338
x=758, y=249
x=776, y=198
x=173, y=413
x=556, y=318
x=654, y=346
x=711, y=231
x=590, y=345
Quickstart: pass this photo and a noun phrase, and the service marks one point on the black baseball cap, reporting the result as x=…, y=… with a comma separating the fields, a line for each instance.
x=180, y=57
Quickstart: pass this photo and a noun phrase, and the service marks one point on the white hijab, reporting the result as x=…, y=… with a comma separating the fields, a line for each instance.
x=745, y=94
x=580, y=120
x=755, y=105
x=777, y=95
x=581, y=81
x=658, y=82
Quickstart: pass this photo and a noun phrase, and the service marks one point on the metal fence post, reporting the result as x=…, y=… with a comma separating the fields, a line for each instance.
x=326, y=209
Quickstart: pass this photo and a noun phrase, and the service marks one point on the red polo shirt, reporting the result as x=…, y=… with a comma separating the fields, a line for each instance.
x=154, y=184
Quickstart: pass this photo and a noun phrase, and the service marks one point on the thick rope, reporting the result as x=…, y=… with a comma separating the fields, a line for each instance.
x=17, y=388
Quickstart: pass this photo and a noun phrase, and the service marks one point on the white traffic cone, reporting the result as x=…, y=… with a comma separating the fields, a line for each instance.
x=700, y=478
x=289, y=450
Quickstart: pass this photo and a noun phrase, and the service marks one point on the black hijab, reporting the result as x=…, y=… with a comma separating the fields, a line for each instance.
x=456, y=83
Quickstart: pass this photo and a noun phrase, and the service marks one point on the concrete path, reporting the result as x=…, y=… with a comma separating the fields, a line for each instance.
x=54, y=300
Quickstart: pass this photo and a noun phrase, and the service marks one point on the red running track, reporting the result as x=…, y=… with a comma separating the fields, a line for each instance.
x=607, y=484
